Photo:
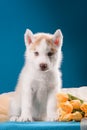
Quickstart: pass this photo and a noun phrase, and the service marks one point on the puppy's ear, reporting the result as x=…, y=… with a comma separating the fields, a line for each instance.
x=58, y=38
x=28, y=37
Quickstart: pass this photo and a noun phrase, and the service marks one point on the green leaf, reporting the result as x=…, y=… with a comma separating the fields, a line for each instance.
x=71, y=97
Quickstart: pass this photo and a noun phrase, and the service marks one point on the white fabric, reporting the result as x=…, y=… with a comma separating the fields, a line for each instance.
x=80, y=92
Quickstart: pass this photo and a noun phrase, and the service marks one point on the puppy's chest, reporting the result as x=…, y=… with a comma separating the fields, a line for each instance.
x=38, y=86
x=43, y=83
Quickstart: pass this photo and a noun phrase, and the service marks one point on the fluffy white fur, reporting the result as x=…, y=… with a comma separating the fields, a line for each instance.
x=35, y=94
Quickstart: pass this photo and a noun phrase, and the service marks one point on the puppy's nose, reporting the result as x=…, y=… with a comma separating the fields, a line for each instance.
x=43, y=66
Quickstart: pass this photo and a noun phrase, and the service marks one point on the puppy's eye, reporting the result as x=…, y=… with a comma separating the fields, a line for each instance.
x=36, y=53
x=50, y=53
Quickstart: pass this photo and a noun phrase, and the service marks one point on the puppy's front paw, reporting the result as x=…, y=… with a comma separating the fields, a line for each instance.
x=13, y=118
x=24, y=118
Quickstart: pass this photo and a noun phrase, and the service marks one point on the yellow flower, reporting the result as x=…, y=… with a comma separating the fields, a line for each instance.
x=62, y=97
x=66, y=106
x=83, y=107
x=66, y=117
x=77, y=116
x=76, y=104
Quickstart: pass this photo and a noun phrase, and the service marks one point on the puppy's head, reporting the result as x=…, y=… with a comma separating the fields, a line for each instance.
x=43, y=51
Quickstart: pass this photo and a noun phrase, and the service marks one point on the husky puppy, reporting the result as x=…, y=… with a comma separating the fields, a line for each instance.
x=40, y=78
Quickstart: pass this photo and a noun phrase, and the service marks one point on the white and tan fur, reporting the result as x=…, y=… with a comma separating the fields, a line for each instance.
x=35, y=94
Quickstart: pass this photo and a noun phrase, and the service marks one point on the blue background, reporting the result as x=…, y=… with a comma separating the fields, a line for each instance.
x=43, y=16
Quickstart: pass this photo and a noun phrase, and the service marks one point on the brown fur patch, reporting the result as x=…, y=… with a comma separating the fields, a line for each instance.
x=48, y=41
